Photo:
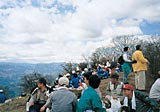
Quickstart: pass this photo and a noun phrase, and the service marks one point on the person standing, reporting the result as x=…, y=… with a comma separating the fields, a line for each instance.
x=127, y=66
x=139, y=68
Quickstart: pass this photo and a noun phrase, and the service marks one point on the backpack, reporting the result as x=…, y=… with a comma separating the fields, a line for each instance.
x=121, y=60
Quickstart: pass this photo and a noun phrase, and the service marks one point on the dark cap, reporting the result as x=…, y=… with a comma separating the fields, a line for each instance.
x=42, y=80
x=115, y=75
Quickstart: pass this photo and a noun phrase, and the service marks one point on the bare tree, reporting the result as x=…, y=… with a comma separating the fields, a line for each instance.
x=123, y=41
x=156, y=41
x=28, y=81
x=68, y=67
x=152, y=53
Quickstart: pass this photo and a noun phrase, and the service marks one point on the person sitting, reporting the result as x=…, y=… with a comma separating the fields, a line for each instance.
x=75, y=81
x=155, y=89
x=114, y=87
x=70, y=80
x=3, y=97
x=39, y=96
x=61, y=100
x=90, y=100
x=136, y=101
x=114, y=93
x=113, y=68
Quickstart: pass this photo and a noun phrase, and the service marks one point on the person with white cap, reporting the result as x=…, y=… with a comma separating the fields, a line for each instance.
x=61, y=100
x=2, y=96
x=70, y=80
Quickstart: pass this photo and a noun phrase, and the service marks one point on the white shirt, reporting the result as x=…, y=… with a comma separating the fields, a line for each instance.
x=155, y=90
x=125, y=58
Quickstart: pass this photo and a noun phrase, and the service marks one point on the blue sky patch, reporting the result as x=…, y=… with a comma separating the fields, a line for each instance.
x=150, y=28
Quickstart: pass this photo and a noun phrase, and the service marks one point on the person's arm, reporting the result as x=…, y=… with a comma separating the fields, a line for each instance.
x=47, y=103
x=108, y=91
x=141, y=58
x=97, y=104
x=32, y=100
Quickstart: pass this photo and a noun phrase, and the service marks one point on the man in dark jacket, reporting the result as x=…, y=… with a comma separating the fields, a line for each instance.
x=137, y=101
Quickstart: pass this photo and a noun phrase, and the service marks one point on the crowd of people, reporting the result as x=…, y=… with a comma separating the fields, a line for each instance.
x=120, y=96
x=62, y=98
x=124, y=96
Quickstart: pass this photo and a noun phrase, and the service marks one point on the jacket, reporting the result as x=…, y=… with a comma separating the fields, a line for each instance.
x=141, y=64
x=143, y=104
x=90, y=100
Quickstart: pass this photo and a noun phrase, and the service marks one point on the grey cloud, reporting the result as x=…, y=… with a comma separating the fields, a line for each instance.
x=34, y=41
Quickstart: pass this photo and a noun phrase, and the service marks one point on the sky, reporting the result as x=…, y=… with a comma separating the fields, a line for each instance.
x=44, y=31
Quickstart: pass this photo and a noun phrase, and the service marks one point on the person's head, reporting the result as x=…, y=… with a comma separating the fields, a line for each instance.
x=63, y=81
x=67, y=75
x=85, y=69
x=1, y=91
x=114, y=78
x=94, y=81
x=75, y=75
x=138, y=47
x=113, y=65
x=126, y=49
x=86, y=76
x=128, y=90
x=41, y=82
x=73, y=71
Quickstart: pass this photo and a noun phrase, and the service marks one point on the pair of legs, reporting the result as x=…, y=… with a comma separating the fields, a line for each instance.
x=126, y=67
x=140, y=80
x=35, y=108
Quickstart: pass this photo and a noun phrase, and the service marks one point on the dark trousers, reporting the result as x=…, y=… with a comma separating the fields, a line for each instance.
x=35, y=108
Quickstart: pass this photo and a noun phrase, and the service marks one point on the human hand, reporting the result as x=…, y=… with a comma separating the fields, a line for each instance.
x=114, y=97
x=42, y=109
x=134, y=61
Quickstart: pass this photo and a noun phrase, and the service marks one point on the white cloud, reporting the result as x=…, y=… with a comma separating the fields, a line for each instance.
x=48, y=32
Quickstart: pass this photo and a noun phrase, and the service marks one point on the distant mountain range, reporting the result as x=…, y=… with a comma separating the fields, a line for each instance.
x=11, y=73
